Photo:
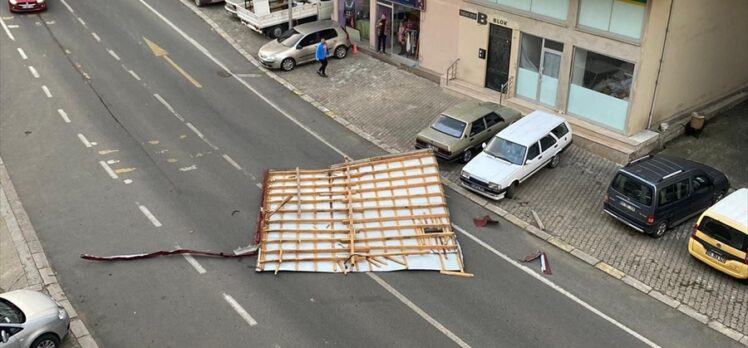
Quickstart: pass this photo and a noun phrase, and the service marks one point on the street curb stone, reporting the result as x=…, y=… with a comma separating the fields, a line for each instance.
x=608, y=269
x=726, y=330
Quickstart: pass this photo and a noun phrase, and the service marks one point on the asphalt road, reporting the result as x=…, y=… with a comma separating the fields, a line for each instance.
x=153, y=157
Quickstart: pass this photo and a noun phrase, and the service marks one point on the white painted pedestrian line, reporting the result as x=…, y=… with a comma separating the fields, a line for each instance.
x=418, y=310
x=113, y=54
x=168, y=106
x=68, y=6
x=96, y=37
x=33, y=71
x=64, y=115
x=85, y=141
x=82, y=22
x=149, y=215
x=238, y=308
x=22, y=53
x=232, y=162
x=7, y=31
x=12, y=26
x=196, y=265
x=46, y=91
x=109, y=170
x=556, y=287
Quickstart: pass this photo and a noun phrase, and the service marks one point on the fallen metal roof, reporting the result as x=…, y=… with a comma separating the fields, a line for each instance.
x=386, y=213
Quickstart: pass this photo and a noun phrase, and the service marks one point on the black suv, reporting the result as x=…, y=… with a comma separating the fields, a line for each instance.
x=656, y=192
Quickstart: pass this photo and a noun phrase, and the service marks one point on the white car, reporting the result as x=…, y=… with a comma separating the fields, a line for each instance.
x=516, y=153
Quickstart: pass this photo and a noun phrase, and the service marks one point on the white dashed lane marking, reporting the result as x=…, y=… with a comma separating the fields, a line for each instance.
x=239, y=309
x=12, y=26
x=149, y=215
x=22, y=53
x=196, y=265
x=232, y=162
x=96, y=37
x=82, y=22
x=46, y=91
x=7, y=31
x=134, y=75
x=34, y=72
x=64, y=115
x=109, y=170
x=113, y=54
x=83, y=139
x=168, y=106
x=68, y=6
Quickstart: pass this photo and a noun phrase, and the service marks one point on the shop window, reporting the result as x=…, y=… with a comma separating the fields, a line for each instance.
x=539, y=65
x=600, y=88
x=620, y=17
x=356, y=16
x=555, y=9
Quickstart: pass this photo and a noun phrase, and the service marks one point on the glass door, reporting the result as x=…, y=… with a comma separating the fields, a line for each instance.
x=539, y=64
x=384, y=12
x=549, y=77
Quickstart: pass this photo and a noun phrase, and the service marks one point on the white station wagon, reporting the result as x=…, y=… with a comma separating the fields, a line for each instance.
x=516, y=153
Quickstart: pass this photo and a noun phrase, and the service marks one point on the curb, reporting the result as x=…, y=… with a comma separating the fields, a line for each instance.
x=555, y=241
x=39, y=273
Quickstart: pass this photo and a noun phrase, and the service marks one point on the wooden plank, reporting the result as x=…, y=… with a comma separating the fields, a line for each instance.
x=373, y=172
x=458, y=274
x=362, y=250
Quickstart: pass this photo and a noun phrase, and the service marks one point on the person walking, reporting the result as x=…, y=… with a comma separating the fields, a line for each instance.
x=381, y=34
x=321, y=56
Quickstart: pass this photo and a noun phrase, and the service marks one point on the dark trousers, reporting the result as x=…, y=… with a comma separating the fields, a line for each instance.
x=323, y=66
x=381, y=41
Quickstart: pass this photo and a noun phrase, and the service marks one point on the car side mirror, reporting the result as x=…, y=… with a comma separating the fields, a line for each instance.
x=483, y=145
x=5, y=336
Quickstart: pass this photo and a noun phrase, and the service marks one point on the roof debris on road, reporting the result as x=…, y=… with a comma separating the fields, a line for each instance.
x=545, y=266
x=385, y=213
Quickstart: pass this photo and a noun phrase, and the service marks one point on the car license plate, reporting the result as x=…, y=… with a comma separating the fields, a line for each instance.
x=477, y=187
x=628, y=206
x=27, y=5
x=715, y=256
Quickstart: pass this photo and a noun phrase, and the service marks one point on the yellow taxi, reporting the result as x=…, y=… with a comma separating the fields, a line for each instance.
x=720, y=236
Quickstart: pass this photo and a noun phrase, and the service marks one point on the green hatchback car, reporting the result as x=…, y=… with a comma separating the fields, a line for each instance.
x=459, y=131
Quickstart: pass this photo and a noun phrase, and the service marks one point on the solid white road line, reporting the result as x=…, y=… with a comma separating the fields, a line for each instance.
x=238, y=308
x=149, y=215
x=46, y=91
x=64, y=115
x=82, y=22
x=83, y=139
x=7, y=31
x=109, y=170
x=33, y=71
x=113, y=54
x=134, y=75
x=167, y=106
x=222, y=66
x=554, y=286
x=418, y=310
x=22, y=53
x=231, y=161
x=196, y=265
x=95, y=36
x=68, y=6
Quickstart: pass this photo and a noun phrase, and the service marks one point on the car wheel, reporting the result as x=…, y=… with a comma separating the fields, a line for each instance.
x=288, y=64
x=46, y=341
x=554, y=162
x=511, y=190
x=718, y=197
x=660, y=230
x=341, y=52
x=467, y=156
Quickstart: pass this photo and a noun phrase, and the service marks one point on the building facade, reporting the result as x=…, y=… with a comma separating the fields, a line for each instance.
x=615, y=68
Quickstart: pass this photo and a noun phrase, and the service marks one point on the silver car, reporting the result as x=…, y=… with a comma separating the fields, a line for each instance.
x=31, y=319
x=298, y=45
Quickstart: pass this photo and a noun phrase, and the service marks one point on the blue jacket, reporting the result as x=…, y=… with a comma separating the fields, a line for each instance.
x=321, y=51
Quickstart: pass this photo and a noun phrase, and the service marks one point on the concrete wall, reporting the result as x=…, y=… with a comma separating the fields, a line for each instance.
x=439, y=31
x=706, y=55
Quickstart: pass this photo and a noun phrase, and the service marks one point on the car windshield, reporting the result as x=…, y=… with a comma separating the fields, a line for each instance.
x=9, y=313
x=449, y=126
x=632, y=188
x=506, y=150
x=289, y=38
x=724, y=233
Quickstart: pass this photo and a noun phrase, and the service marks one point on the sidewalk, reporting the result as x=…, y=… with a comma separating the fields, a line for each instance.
x=23, y=264
x=567, y=199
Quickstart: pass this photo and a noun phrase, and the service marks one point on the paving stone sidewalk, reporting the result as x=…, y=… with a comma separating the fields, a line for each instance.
x=23, y=264
x=392, y=105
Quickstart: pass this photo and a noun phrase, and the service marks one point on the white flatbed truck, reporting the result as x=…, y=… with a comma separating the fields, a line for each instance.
x=270, y=17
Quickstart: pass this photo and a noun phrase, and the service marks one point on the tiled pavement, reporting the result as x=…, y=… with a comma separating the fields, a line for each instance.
x=391, y=106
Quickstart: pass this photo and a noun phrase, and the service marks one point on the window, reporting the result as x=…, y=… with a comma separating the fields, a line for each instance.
x=600, y=88
x=620, y=17
x=492, y=119
x=478, y=126
x=309, y=40
x=533, y=151
x=633, y=189
x=9, y=313
x=555, y=9
x=328, y=34
x=356, y=17
x=539, y=65
x=506, y=150
x=289, y=38
x=546, y=142
x=724, y=233
x=673, y=193
x=701, y=183
x=560, y=131
x=449, y=126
